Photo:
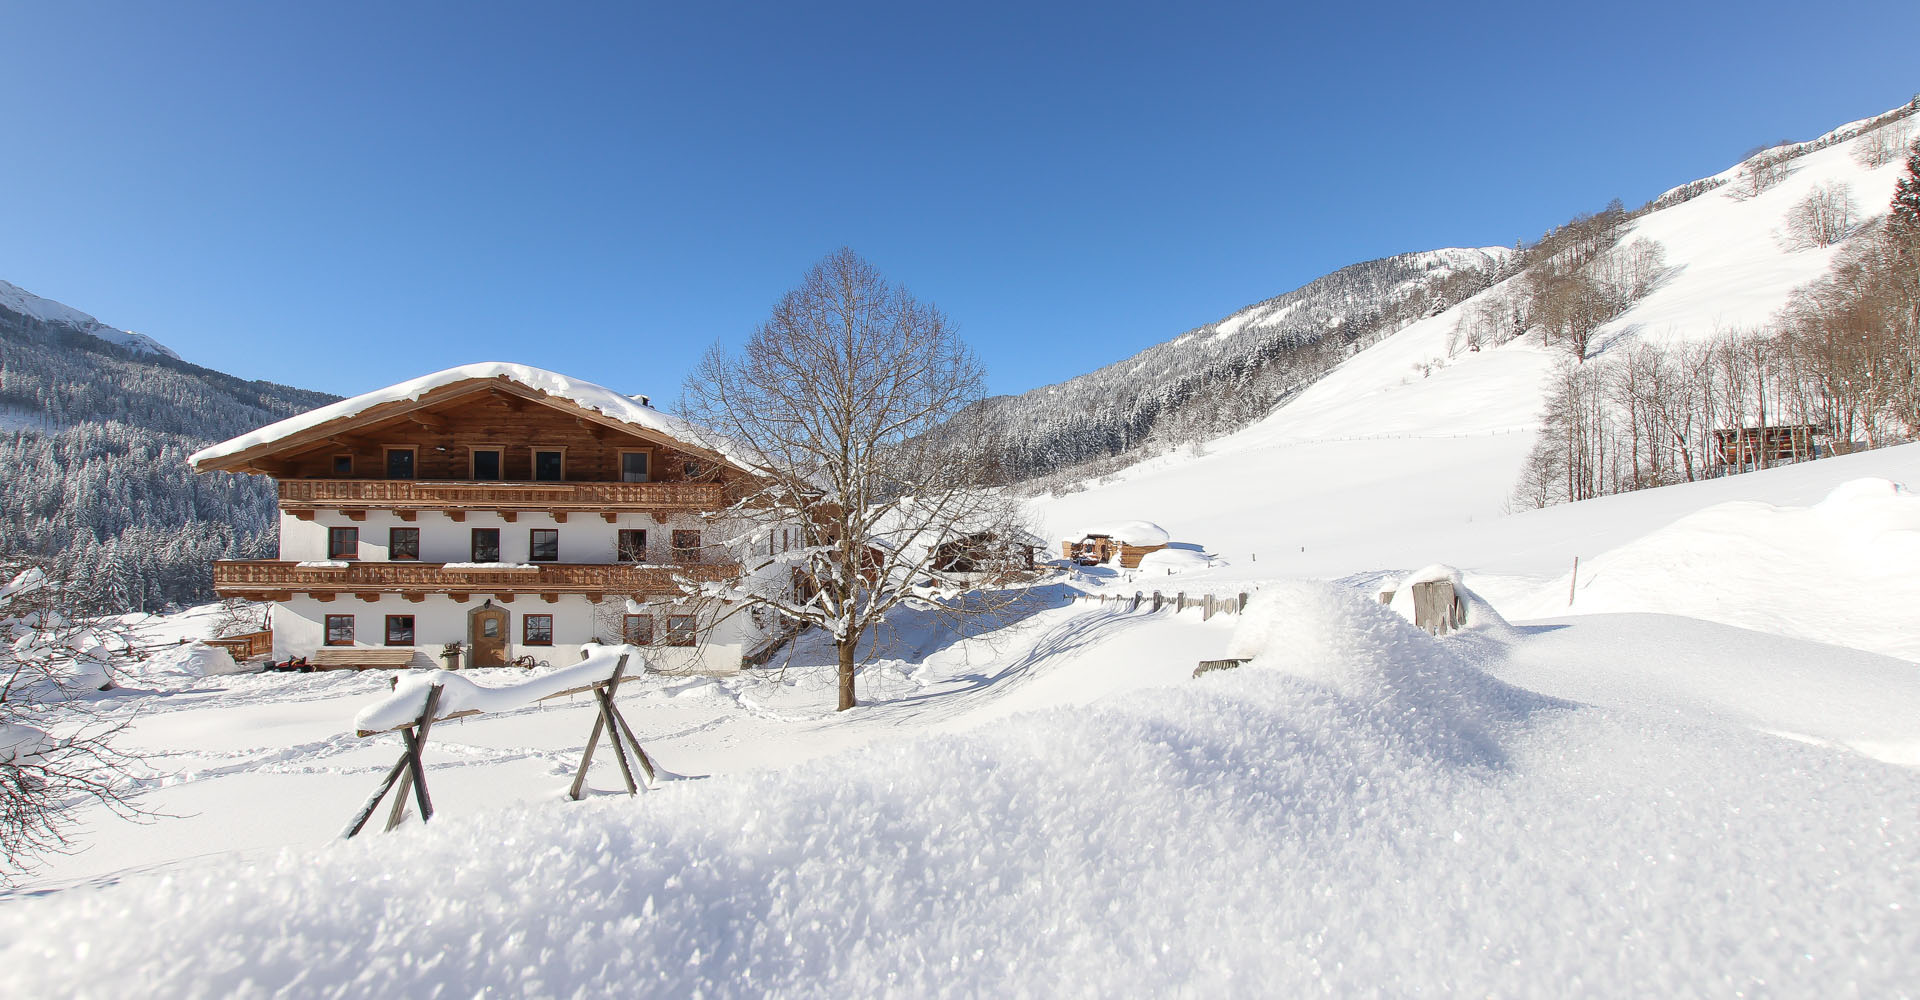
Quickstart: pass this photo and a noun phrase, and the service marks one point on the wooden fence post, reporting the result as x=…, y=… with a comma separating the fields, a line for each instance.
x=406, y=772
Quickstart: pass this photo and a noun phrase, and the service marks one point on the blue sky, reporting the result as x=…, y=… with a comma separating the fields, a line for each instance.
x=340, y=196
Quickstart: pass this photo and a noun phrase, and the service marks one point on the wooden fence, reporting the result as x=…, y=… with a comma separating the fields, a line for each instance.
x=1209, y=604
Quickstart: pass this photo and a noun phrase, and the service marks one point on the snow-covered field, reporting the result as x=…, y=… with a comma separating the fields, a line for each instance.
x=1691, y=771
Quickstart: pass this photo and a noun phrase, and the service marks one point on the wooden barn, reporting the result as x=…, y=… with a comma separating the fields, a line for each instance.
x=1125, y=541
x=1755, y=447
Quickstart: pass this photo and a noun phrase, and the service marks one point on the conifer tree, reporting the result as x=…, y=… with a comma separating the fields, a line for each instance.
x=1903, y=222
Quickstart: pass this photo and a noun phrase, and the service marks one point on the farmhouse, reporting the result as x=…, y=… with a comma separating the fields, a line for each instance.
x=1127, y=541
x=512, y=510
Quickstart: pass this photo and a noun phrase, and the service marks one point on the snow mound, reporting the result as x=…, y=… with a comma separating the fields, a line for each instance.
x=1480, y=614
x=1840, y=571
x=1174, y=560
x=1130, y=532
x=1335, y=637
x=194, y=659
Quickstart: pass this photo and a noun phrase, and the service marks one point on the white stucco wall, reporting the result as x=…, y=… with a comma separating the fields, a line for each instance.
x=299, y=627
x=584, y=538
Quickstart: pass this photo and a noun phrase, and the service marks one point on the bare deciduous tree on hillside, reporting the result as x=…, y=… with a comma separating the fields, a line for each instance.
x=1827, y=215
x=832, y=397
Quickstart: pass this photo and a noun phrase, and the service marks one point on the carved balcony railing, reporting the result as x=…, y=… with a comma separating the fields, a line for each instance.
x=306, y=495
x=272, y=579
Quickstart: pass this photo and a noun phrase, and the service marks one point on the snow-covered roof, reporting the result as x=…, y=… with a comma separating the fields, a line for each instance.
x=1130, y=532
x=588, y=395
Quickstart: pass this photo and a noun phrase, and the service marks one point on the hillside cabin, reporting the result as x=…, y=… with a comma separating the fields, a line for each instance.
x=986, y=554
x=517, y=512
x=1127, y=542
x=1756, y=447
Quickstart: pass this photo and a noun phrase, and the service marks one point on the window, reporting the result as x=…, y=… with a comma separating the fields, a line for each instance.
x=399, y=630
x=339, y=630
x=537, y=630
x=633, y=466
x=633, y=545
x=343, y=543
x=543, y=545
x=403, y=543
x=486, y=464
x=686, y=545
x=399, y=463
x=490, y=628
x=680, y=630
x=343, y=466
x=691, y=469
x=549, y=465
x=637, y=630
x=486, y=545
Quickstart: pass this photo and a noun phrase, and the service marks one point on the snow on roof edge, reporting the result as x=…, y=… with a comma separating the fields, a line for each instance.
x=586, y=394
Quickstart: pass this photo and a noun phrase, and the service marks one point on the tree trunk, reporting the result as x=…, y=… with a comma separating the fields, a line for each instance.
x=846, y=647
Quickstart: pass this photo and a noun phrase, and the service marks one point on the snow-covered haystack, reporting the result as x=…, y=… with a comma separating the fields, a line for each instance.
x=1841, y=571
x=1413, y=683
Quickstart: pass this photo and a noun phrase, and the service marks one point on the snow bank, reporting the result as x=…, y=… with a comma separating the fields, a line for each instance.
x=583, y=393
x=1130, y=532
x=1480, y=614
x=1841, y=571
x=194, y=659
x=1334, y=636
x=1174, y=560
x=1254, y=833
x=459, y=693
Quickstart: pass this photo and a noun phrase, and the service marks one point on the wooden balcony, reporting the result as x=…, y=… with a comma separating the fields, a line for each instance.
x=277, y=580
x=301, y=497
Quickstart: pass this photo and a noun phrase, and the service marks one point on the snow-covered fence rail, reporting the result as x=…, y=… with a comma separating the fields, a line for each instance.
x=1209, y=604
x=415, y=705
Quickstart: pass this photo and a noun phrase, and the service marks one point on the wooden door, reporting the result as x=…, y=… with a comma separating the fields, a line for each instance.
x=487, y=630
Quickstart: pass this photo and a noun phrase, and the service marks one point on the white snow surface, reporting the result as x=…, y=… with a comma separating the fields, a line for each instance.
x=586, y=394
x=1361, y=810
x=459, y=693
x=1841, y=571
x=1128, y=532
x=26, y=303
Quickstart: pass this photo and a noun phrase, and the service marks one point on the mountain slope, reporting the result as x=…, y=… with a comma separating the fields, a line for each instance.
x=1422, y=434
x=94, y=434
x=1226, y=374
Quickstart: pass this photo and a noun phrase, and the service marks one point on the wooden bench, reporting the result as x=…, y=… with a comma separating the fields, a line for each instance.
x=344, y=658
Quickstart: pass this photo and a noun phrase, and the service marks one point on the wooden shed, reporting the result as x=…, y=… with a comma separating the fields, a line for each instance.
x=1125, y=541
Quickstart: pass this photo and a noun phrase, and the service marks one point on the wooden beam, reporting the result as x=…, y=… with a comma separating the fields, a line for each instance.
x=369, y=598
x=509, y=516
x=458, y=598
x=550, y=598
x=559, y=517
x=355, y=515
x=405, y=515
x=456, y=515
x=414, y=598
x=428, y=420
x=277, y=596
x=610, y=516
x=503, y=598
x=323, y=597
x=302, y=515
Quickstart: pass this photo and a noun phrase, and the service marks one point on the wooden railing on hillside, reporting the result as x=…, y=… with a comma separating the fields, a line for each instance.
x=255, y=578
x=412, y=494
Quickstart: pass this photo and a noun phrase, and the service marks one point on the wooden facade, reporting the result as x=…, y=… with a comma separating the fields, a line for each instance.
x=1094, y=550
x=1757, y=446
x=268, y=579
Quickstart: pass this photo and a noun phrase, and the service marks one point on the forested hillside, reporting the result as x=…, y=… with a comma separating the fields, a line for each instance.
x=94, y=435
x=1223, y=375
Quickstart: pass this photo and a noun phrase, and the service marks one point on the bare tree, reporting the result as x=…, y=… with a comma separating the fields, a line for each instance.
x=1827, y=215
x=832, y=398
x=1884, y=143
x=56, y=755
x=1759, y=173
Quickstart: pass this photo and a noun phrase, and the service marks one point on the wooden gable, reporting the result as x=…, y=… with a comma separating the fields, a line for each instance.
x=446, y=425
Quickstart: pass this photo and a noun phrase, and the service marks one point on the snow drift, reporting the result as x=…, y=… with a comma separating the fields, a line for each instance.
x=1839, y=571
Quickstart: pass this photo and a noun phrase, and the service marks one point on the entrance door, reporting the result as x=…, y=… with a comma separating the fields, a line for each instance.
x=487, y=635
